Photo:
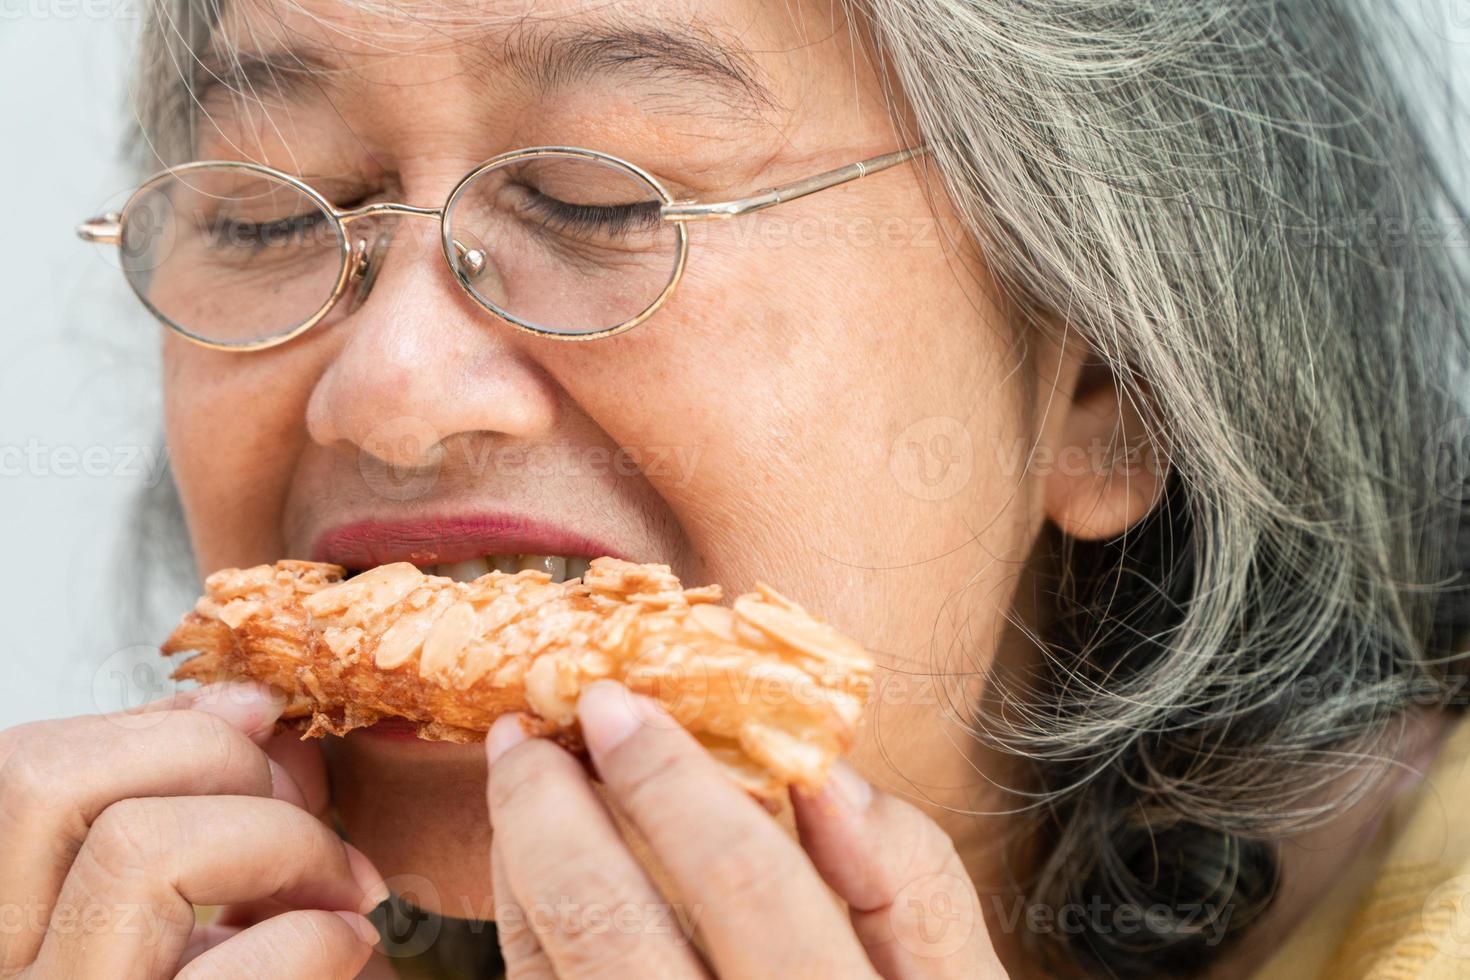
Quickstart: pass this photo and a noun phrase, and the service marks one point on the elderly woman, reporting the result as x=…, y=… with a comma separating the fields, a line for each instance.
x=1101, y=366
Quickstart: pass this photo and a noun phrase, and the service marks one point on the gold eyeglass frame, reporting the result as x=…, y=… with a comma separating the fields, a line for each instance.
x=358, y=264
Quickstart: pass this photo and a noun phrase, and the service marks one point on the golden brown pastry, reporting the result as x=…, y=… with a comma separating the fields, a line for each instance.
x=774, y=693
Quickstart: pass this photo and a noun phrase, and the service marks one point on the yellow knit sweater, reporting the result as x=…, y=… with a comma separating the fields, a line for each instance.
x=1402, y=910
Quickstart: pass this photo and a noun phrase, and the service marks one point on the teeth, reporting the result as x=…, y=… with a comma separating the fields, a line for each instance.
x=464, y=571
x=550, y=564
x=560, y=569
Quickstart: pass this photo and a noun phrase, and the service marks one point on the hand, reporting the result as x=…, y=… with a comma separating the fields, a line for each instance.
x=115, y=826
x=572, y=901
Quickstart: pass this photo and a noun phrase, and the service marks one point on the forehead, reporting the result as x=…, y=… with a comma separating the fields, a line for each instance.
x=743, y=57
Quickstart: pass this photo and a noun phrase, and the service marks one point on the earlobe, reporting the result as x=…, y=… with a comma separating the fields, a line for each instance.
x=1106, y=471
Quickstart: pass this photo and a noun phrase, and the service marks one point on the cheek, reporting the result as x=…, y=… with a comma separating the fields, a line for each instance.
x=234, y=433
x=829, y=418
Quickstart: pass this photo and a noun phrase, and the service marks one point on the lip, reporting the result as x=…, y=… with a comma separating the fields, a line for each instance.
x=426, y=541
x=395, y=728
x=397, y=736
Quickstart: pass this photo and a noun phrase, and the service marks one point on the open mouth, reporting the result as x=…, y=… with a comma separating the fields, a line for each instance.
x=464, y=547
x=561, y=568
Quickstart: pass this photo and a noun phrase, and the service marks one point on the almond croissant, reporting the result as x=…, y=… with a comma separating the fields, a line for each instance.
x=774, y=693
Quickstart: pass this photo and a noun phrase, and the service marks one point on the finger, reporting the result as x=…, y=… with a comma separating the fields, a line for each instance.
x=519, y=947
x=205, y=937
x=589, y=904
x=57, y=776
x=910, y=897
x=147, y=862
x=303, y=943
x=255, y=707
x=302, y=760
x=726, y=856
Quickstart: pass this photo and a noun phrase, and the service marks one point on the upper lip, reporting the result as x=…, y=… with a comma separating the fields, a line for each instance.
x=449, y=538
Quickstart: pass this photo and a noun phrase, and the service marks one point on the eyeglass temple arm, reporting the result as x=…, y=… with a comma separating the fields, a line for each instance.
x=104, y=228
x=771, y=196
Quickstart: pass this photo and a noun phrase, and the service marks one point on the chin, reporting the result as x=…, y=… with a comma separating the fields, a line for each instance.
x=417, y=810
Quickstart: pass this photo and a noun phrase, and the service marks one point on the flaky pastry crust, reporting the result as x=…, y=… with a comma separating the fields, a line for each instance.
x=773, y=692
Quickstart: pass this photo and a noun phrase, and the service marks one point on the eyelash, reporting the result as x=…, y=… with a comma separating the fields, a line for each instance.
x=259, y=235
x=614, y=220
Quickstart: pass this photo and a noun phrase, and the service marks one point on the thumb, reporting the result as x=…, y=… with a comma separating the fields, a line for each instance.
x=912, y=903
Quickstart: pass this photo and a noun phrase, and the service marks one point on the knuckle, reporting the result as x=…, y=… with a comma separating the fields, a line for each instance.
x=653, y=774
x=13, y=738
x=129, y=838
x=522, y=772
x=585, y=950
x=200, y=732
x=562, y=876
x=743, y=880
x=915, y=847
x=583, y=942
x=524, y=958
x=574, y=913
x=517, y=942
x=37, y=775
x=29, y=779
x=933, y=851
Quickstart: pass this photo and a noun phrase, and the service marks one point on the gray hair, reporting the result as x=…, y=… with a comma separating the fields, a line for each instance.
x=1232, y=204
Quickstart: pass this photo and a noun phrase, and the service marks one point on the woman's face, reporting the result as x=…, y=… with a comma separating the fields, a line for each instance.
x=831, y=402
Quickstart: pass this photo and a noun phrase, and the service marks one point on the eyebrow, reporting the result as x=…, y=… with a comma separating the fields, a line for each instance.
x=665, y=60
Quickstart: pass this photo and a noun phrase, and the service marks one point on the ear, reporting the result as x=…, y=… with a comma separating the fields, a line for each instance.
x=1106, y=471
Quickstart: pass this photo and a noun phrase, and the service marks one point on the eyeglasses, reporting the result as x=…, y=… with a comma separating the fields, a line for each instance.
x=555, y=240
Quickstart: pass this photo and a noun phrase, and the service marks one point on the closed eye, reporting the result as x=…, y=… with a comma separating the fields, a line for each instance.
x=613, y=221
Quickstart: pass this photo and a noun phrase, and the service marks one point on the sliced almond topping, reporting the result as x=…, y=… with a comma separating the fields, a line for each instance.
x=341, y=641
x=236, y=611
x=477, y=660
x=402, y=640
x=798, y=630
x=705, y=593
x=716, y=620
x=550, y=692
x=371, y=592
x=310, y=576
x=777, y=599
x=447, y=639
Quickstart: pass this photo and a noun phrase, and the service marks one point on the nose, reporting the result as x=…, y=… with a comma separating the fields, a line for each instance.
x=369, y=249
x=420, y=362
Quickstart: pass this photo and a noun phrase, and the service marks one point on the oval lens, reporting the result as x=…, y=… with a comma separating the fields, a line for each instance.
x=229, y=255
x=562, y=244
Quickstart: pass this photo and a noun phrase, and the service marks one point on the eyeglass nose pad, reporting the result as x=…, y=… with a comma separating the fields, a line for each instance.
x=471, y=260
x=366, y=263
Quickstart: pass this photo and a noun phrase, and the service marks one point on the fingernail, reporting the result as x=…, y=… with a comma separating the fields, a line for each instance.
x=360, y=925
x=283, y=786
x=367, y=878
x=610, y=714
x=506, y=733
x=848, y=788
x=252, y=708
